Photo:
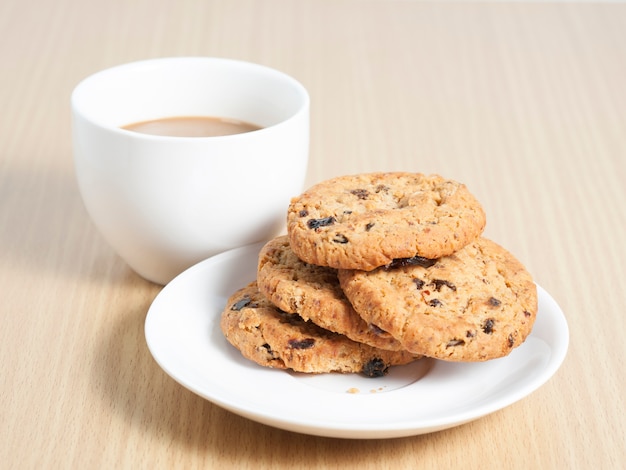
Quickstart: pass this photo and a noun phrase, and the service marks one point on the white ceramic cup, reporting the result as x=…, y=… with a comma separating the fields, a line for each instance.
x=166, y=203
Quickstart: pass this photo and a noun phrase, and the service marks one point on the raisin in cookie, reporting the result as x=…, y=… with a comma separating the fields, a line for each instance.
x=313, y=292
x=474, y=305
x=272, y=338
x=366, y=221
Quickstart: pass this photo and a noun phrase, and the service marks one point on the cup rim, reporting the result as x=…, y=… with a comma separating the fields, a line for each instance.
x=77, y=108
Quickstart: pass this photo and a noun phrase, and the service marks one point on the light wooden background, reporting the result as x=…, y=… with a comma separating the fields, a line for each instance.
x=523, y=102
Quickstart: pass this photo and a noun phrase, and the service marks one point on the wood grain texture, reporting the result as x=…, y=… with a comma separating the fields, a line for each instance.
x=524, y=102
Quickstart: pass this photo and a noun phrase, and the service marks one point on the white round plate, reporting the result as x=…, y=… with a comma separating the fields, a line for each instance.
x=183, y=334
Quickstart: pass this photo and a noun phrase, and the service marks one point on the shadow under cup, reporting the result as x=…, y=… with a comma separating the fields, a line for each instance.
x=166, y=203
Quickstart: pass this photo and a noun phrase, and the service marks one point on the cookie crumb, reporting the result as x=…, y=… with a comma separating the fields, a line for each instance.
x=353, y=390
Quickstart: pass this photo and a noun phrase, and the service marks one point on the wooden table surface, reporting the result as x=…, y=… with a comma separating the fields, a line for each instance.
x=523, y=102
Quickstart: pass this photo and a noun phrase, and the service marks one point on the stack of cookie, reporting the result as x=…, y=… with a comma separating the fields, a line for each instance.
x=379, y=270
